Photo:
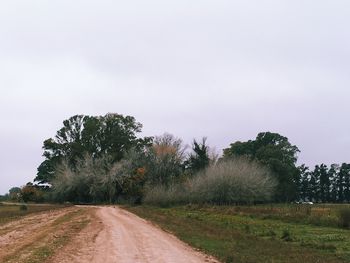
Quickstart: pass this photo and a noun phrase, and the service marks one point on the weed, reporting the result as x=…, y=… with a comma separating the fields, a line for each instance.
x=229, y=259
x=247, y=228
x=286, y=236
x=271, y=233
x=344, y=217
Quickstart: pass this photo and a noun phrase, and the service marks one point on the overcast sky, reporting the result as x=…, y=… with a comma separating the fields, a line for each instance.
x=222, y=69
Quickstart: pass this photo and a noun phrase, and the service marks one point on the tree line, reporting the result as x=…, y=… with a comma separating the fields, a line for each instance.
x=324, y=184
x=103, y=159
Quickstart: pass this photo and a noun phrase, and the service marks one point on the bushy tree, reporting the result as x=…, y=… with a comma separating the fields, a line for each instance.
x=32, y=193
x=275, y=151
x=102, y=180
x=15, y=193
x=165, y=160
x=91, y=180
x=111, y=135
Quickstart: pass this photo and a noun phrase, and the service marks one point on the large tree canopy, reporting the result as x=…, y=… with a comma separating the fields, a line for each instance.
x=275, y=151
x=112, y=135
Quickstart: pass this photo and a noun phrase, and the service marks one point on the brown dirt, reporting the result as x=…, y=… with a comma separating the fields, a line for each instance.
x=122, y=237
x=17, y=236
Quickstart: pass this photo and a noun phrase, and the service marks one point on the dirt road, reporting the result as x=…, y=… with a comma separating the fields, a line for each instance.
x=113, y=235
x=123, y=237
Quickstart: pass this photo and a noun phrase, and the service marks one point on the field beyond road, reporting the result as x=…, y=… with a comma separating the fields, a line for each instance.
x=246, y=234
x=90, y=234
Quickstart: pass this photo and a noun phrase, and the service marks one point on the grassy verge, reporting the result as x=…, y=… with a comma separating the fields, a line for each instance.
x=10, y=212
x=236, y=237
x=52, y=238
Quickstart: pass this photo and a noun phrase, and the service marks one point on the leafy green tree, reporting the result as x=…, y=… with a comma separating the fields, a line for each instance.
x=110, y=135
x=199, y=158
x=275, y=151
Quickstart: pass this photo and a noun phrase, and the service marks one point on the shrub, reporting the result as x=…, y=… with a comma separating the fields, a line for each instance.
x=235, y=181
x=286, y=236
x=344, y=217
x=271, y=233
x=166, y=196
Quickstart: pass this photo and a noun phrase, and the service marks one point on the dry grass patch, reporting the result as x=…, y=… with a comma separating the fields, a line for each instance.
x=45, y=242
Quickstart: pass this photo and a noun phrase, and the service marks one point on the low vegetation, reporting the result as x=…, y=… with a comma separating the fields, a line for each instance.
x=237, y=180
x=328, y=215
x=9, y=212
x=245, y=234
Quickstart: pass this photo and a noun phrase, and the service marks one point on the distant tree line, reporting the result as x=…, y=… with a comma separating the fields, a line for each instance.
x=324, y=184
x=94, y=159
x=27, y=193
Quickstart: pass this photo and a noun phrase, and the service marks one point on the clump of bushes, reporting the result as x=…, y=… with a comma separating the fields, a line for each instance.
x=235, y=181
x=166, y=196
x=344, y=217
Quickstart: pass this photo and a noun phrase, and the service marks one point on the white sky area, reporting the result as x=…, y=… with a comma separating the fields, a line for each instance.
x=222, y=69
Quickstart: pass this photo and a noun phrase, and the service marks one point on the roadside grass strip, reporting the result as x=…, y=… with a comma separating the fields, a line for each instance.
x=51, y=238
x=243, y=238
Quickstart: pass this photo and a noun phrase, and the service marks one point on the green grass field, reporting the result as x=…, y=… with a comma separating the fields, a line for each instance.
x=9, y=212
x=278, y=233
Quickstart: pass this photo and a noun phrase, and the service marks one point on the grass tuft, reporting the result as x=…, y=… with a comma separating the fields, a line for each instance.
x=344, y=217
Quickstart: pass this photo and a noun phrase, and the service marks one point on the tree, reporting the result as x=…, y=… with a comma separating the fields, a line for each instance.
x=199, y=158
x=303, y=186
x=112, y=135
x=315, y=184
x=333, y=177
x=31, y=193
x=15, y=193
x=345, y=170
x=324, y=183
x=340, y=183
x=275, y=151
x=165, y=160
